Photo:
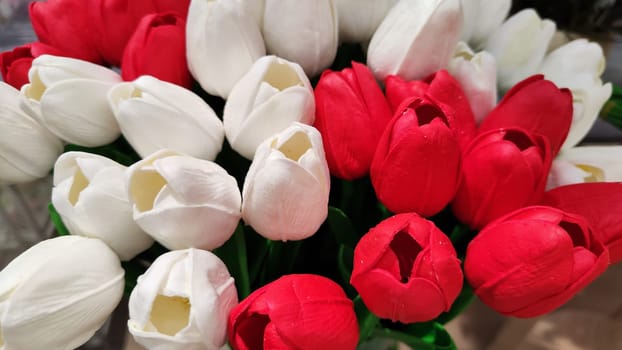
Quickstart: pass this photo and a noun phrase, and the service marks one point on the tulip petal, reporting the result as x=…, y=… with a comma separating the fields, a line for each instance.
x=586, y=164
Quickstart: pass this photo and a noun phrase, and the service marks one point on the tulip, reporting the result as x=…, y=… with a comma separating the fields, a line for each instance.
x=351, y=113
x=222, y=42
x=182, y=302
x=405, y=256
x=183, y=202
x=441, y=88
x=56, y=294
x=482, y=18
x=415, y=39
x=287, y=185
x=416, y=167
x=158, y=48
x=295, y=312
x=273, y=94
x=154, y=114
x=303, y=31
x=69, y=97
x=600, y=203
x=89, y=194
x=533, y=260
x=27, y=149
x=255, y=9
x=537, y=106
x=586, y=164
x=358, y=19
x=519, y=46
x=477, y=74
x=14, y=65
x=502, y=170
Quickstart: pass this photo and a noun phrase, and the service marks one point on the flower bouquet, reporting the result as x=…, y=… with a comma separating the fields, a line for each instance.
x=308, y=174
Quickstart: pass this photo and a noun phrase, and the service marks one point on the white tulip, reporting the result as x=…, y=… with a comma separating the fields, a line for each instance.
x=184, y=202
x=482, y=18
x=415, y=39
x=90, y=196
x=285, y=195
x=477, y=74
x=358, y=19
x=273, y=94
x=586, y=164
x=303, y=31
x=519, y=46
x=69, y=97
x=27, y=149
x=56, y=294
x=578, y=65
x=222, y=42
x=255, y=8
x=182, y=302
x=154, y=114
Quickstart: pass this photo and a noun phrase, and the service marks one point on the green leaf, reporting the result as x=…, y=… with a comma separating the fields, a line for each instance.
x=341, y=227
x=345, y=259
x=419, y=336
x=60, y=227
x=233, y=254
x=463, y=300
x=366, y=319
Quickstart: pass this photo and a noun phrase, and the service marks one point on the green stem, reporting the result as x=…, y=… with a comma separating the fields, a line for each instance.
x=240, y=247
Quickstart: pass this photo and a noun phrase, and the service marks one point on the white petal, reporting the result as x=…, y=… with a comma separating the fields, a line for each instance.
x=576, y=57
x=358, y=19
x=484, y=18
x=50, y=69
x=88, y=163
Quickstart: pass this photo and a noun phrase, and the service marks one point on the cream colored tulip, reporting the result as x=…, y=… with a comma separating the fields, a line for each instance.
x=598, y=163
x=482, y=18
x=359, y=19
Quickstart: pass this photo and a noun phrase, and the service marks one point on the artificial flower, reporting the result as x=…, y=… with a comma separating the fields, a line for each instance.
x=15, y=64
x=295, y=312
x=533, y=260
x=182, y=302
x=154, y=114
x=183, y=202
x=358, y=19
x=89, y=194
x=351, y=113
x=273, y=94
x=416, y=167
x=158, y=48
x=69, y=97
x=285, y=194
x=591, y=163
x=27, y=149
x=481, y=19
x=302, y=31
x=56, y=294
x=222, y=43
x=502, y=170
x=406, y=269
x=415, y=39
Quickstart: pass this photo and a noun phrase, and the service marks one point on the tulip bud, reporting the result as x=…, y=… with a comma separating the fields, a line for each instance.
x=416, y=167
x=27, y=149
x=586, y=164
x=537, y=106
x=89, y=194
x=183, y=202
x=295, y=312
x=182, y=302
x=158, y=48
x=533, y=260
x=222, y=42
x=273, y=94
x=154, y=114
x=358, y=19
x=477, y=74
x=56, y=294
x=482, y=18
x=351, y=114
x=415, y=39
x=502, y=170
x=519, y=46
x=69, y=97
x=287, y=185
x=405, y=256
x=14, y=65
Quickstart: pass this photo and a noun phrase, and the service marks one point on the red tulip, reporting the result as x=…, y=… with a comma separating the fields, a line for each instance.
x=416, y=167
x=502, y=170
x=537, y=106
x=442, y=88
x=351, y=114
x=158, y=48
x=533, y=260
x=15, y=64
x=294, y=312
x=600, y=203
x=68, y=26
x=406, y=269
